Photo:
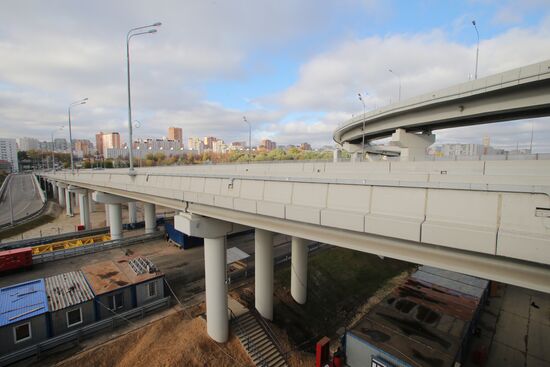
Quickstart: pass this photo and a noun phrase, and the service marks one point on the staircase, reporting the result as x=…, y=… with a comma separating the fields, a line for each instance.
x=256, y=340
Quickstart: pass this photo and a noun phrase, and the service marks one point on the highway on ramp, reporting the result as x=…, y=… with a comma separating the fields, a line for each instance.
x=25, y=198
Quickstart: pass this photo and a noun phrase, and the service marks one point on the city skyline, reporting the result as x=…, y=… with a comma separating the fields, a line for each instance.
x=295, y=79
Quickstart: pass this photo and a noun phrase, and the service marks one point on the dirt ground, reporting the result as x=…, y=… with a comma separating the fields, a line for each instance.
x=172, y=341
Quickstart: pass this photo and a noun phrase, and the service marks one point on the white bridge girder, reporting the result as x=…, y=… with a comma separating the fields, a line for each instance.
x=493, y=214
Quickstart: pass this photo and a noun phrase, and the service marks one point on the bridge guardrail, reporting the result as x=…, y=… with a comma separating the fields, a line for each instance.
x=83, y=333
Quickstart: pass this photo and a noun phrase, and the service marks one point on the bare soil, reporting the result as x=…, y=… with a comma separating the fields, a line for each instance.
x=172, y=341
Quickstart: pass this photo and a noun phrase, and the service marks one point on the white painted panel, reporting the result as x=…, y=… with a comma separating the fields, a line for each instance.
x=461, y=219
x=223, y=201
x=398, y=202
x=197, y=184
x=394, y=226
x=460, y=236
x=212, y=186
x=467, y=207
x=523, y=234
x=230, y=187
x=349, y=197
x=303, y=214
x=245, y=205
x=252, y=189
x=518, y=168
x=524, y=245
x=343, y=219
x=279, y=192
x=271, y=209
x=203, y=198
x=306, y=194
x=185, y=183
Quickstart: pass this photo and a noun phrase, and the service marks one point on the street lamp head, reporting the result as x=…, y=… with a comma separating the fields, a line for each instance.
x=152, y=31
x=85, y=99
x=360, y=97
x=157, y=24
x=474, y=23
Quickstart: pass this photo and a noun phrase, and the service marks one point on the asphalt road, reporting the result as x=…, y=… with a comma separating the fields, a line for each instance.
x=25, y=198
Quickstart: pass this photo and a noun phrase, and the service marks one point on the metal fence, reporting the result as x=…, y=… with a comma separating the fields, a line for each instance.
x=89, y=249
x=85, y=332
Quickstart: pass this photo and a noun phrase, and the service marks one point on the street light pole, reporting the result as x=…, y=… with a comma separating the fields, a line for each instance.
x=364, y=117
x=477, y=49
x=399, y=78
x=53, y=149
x=79, y=102
x=249, y=137
x=129, y=36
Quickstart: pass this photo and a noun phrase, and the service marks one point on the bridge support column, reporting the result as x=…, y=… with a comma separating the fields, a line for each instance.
x=68, y=203
x=132, y=212
x=298, y=277
x=114, y=210
x=336, y=155
x=61, y=195
x=149, y=212
x=55, y=191
x=213, y=231
x=84, y=203
x=413, y=146
x=90, y=201
x=106, y=209
x=263, y=270
x=115, y=221
x=217, y=324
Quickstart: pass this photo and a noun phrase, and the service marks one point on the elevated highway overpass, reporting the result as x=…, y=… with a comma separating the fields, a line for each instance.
x=487, y=218
x=515, y=94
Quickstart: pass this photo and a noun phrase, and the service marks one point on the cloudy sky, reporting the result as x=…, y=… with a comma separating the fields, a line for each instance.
x=294, y=68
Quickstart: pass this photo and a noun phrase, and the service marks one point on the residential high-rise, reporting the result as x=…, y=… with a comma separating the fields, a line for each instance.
x=26, y=144
x=60, y=144
x=110, y=141
x=305, y=146
x=208, y=141
x=8, y=152
x=175, y=133
x=82, y=146
x=268, y=145
x=99, y=142
x=195, y=144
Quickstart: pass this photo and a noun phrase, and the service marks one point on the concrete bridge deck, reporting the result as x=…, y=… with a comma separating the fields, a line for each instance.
x=485, y=218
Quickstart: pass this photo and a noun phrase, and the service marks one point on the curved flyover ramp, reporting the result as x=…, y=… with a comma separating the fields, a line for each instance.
x=515, y=94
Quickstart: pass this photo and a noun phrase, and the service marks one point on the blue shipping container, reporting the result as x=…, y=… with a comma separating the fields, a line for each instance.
x=181, y=239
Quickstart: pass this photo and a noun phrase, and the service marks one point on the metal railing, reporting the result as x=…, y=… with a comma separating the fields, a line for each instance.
x=101, y=246
x=84, y=332
x=270, y=334
x=250, y=346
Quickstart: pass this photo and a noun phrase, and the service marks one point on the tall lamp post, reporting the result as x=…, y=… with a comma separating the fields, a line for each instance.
x=364, y=115
x=53, y=148
x=132, y=33
x=76, y=103
x=399, y=78
x=249, y=137
x=477, y=49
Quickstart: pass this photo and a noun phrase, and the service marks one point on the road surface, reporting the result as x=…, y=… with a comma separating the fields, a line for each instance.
x=25, y=198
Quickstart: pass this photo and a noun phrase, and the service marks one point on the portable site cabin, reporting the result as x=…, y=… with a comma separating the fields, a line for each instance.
x=23, y=315
x=425, y=321
x=70, y=300
x=123, y=284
